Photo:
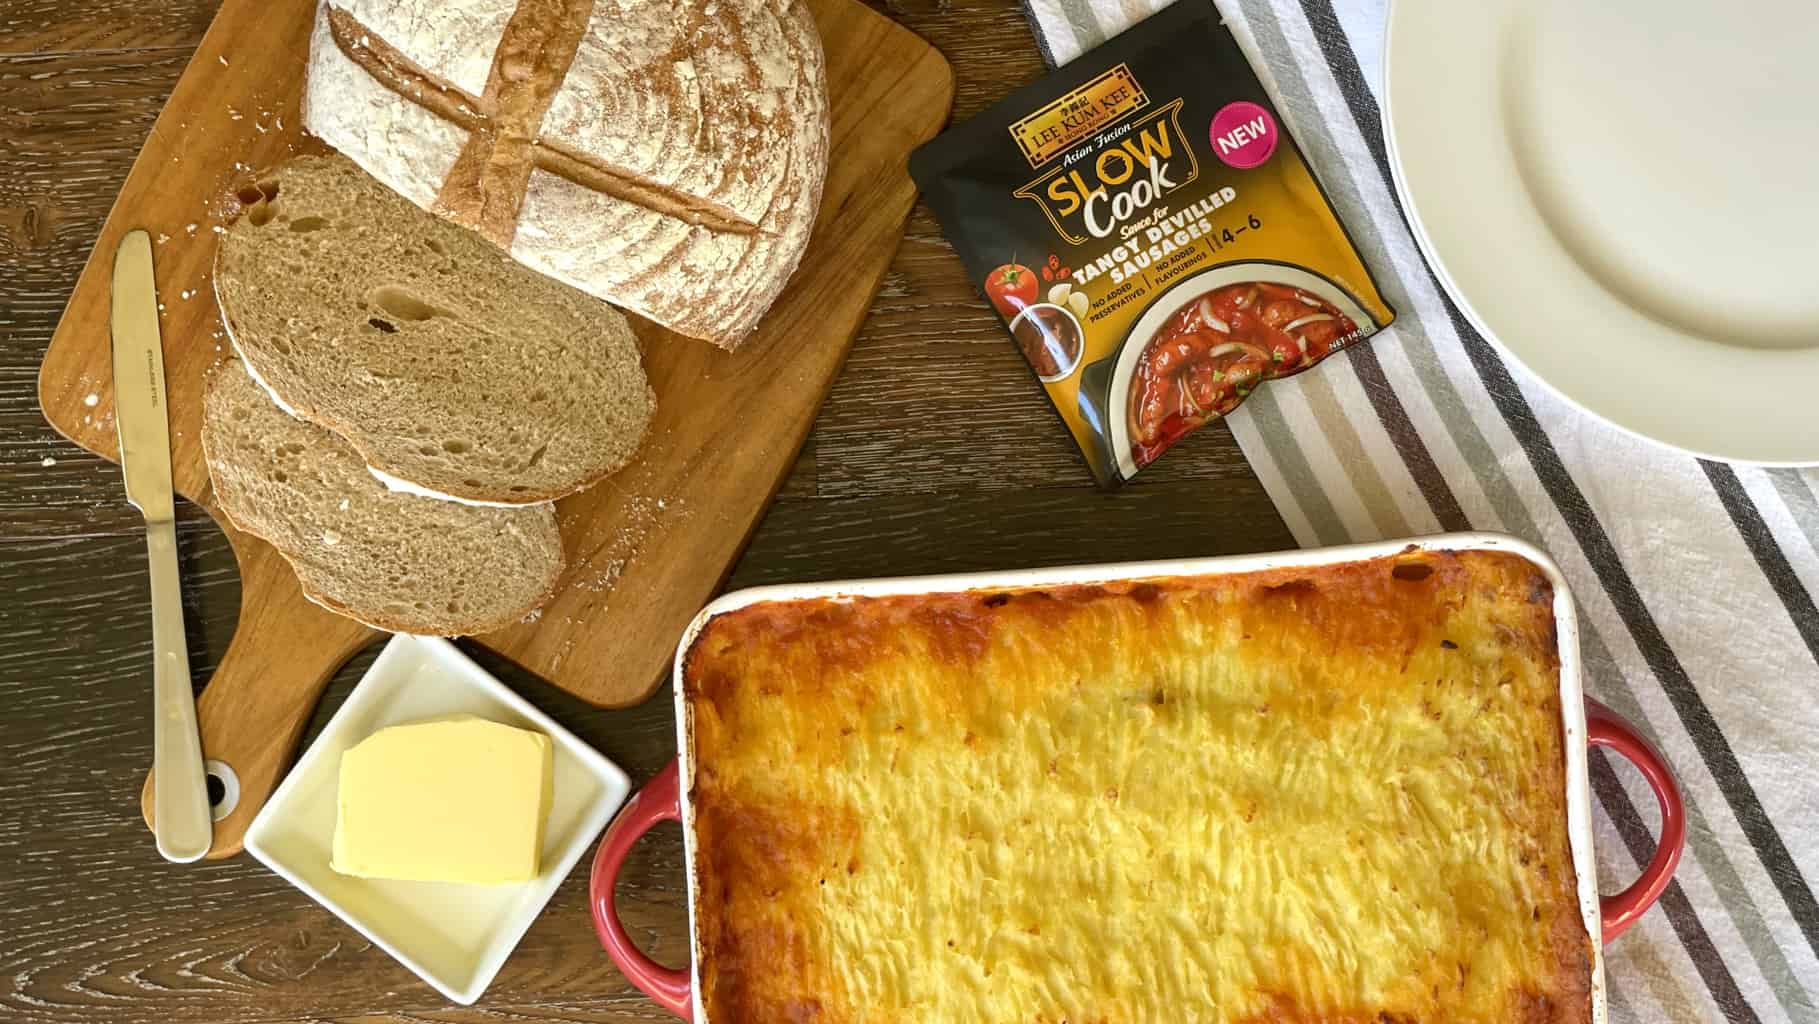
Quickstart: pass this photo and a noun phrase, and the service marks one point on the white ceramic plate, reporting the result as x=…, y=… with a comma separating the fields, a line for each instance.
x=1623, y=195
x=453, y=936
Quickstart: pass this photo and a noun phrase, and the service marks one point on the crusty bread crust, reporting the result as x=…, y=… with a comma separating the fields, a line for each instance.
x=658, y=266
x=669, y=160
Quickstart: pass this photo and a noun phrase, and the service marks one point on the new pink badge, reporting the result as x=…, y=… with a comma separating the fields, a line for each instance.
x=1243, y=134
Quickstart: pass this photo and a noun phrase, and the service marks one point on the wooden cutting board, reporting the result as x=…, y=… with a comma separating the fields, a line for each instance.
x=648, y=547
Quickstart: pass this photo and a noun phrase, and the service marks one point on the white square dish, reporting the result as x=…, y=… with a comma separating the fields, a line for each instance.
x=453, y=936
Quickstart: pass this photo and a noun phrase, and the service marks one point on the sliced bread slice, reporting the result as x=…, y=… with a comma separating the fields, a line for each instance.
x=394, y=561
x=453, y=370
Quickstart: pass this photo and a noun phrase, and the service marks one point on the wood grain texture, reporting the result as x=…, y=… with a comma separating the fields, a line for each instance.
x=260, y=694
x=63, y=26
x=646, y=547
x=69, y=128
x=94, y=927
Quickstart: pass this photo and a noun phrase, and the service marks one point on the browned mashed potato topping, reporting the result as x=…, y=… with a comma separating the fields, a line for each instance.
x=1325, y=794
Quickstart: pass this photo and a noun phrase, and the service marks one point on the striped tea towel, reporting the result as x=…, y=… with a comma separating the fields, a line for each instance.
x=1696, y=580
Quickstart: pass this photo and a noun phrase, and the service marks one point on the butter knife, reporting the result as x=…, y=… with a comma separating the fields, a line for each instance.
x=180, y=807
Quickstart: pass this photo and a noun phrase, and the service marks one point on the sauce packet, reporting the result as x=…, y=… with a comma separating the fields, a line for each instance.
x=1151, y=237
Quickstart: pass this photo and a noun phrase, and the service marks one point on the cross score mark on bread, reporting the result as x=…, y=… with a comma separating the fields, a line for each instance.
x=485, y=189
x=665, y=156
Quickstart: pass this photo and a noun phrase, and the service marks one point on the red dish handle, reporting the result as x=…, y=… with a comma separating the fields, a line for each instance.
x=1605, y=729
x=659, y=800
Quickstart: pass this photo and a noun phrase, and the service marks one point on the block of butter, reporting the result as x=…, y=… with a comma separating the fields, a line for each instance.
x=448, y=800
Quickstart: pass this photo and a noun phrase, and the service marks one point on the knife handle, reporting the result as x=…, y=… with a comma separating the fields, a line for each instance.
x=184, y=824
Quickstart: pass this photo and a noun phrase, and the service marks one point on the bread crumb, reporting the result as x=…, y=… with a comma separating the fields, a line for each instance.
x=223, y=61
x=163, y=238
x=92, y=400
x=47, y=461
x=341, y=507
x=532, y=616
x=187, y=293
x=191, y=228
x=604, y=580
x=331, y=538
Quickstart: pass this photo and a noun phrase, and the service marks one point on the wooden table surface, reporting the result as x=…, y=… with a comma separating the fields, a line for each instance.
x=935, y=452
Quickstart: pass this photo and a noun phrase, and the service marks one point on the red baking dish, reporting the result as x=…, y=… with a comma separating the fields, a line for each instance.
x=1585, y=723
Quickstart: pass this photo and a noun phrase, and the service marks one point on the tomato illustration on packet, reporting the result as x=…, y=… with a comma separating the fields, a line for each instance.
x=1180, y=251
x=1012, y=288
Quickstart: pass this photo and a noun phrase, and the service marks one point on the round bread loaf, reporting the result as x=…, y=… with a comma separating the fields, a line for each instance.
x=665, y=155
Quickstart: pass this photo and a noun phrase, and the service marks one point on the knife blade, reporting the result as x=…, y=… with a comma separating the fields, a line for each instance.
x=180, y=805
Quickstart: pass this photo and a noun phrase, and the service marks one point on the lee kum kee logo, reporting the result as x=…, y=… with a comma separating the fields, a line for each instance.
x=1077, y=114
x=1126, y=170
